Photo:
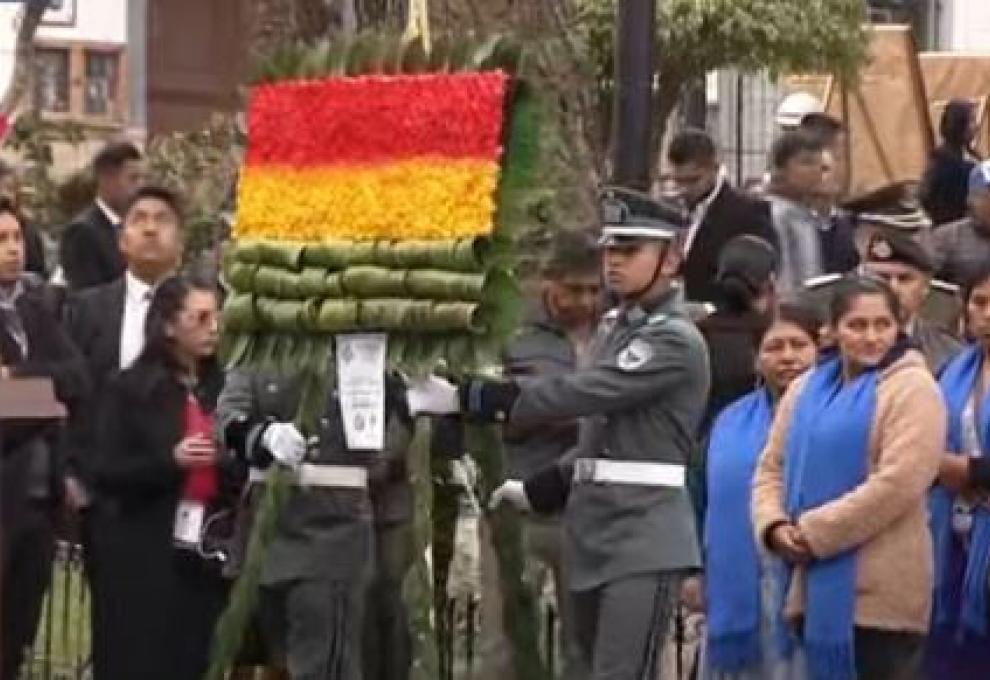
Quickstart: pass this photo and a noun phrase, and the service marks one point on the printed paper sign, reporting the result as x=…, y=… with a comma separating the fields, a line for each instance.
x=361, y=389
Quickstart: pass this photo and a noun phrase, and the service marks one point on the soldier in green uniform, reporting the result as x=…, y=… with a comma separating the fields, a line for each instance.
x=319, y=565
x=629, y=524
x=906, y=268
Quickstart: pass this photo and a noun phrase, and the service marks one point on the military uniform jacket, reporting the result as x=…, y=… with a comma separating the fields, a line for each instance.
x=936, y=344
x=641, y=399
x=541, y=348
x=322, y=532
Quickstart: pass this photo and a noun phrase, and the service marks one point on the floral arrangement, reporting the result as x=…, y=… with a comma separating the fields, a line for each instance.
x=379, y=192
x=395, y=157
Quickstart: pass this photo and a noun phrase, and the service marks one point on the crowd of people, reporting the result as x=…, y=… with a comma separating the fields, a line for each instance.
x=765, y=406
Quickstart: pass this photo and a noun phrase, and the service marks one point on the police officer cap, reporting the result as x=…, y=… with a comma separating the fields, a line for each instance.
x=894, y=247
x=893, y=206
x=632, y=216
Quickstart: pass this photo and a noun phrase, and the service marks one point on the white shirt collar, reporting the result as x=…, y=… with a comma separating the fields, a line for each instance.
x=137, y=290
x=108, y=211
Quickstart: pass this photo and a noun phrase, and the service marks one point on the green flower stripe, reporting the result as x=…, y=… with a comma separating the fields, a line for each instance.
x=359, y=281
x=461, y=255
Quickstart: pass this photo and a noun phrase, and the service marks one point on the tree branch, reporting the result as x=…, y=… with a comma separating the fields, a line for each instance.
x=23, y=55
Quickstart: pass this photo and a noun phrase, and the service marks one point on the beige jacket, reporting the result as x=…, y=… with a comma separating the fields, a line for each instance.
x=886, y=517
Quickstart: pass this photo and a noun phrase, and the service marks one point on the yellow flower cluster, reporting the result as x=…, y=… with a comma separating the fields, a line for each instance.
x=434, y=199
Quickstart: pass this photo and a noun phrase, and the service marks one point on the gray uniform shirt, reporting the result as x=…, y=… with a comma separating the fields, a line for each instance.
x=958, y=250
x=540, y=349
x=322, y=532
x=640, y=399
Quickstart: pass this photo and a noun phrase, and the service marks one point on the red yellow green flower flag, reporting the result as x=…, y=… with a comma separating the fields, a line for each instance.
x=383, y=202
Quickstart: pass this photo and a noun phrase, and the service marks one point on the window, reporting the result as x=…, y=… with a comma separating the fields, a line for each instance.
x=51, y=82
x=81, y=81
x=100, y=93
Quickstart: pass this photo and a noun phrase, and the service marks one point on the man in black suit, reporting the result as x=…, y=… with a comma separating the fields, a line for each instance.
x=718, y=212
x=107, y=324
x=90, y=255
x=31, y=345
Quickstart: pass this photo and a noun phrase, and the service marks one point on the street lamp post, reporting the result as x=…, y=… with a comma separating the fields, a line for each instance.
x=633, y=114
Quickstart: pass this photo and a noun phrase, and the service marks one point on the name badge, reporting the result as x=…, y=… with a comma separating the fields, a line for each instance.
x=188, y=528
x=361, y=389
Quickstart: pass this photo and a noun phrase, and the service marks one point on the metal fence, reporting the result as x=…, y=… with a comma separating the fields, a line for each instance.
x=742, y=120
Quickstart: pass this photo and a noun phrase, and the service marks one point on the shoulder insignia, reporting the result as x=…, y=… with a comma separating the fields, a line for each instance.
x=634, y=355
x=657, y=318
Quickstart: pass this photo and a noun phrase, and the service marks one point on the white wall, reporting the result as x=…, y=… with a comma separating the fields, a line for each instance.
x=95, y=20
x=965, y=26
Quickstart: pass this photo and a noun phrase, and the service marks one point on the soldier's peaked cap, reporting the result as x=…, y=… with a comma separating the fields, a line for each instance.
x=632, y=215
x=900, y=248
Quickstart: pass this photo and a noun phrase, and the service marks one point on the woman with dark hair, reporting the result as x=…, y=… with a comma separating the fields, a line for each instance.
x=840, y=494
x=739, y=604
x=157, y=470
x=32, y=345
x=959, y=645
x=944, y=185
x=747, y=282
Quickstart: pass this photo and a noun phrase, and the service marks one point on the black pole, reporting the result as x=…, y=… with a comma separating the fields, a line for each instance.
x=633, y=111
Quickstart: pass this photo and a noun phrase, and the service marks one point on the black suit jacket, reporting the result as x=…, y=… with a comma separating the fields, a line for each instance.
x=731, y=214
x=93, y=319
x=90, y=254
x=50, y=355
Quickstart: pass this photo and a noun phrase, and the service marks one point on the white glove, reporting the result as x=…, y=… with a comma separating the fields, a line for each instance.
x=432, y=395
x=512, y=492
x=285, y=443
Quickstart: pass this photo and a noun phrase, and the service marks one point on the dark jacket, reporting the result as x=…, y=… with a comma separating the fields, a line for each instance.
x=93, y=319
x=731, y=214
x=838, y=244
x=34, y=251
x=140, y=484
x=732, y=339
x=52, y=355
x=945, y=185
x=89, y=252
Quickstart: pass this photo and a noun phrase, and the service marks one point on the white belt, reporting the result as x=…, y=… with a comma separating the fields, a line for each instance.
x=634, y=472
x=308, y=474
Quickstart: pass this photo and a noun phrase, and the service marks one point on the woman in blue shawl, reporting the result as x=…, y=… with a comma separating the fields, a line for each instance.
x=959, y=644
x=739, y=600
x=840, y=495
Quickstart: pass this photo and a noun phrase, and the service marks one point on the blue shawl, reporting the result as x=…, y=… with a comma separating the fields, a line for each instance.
x=961, y=606
x=732, y=563
x=826, y=457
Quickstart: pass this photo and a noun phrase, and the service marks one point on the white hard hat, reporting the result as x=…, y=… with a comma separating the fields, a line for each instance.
x=795, y=107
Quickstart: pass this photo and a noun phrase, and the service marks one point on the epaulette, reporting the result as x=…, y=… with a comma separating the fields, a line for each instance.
x=816, y=282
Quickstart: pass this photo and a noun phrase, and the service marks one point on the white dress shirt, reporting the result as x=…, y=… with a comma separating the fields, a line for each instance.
x=108, y=211
x=700, y=211
x=137, y=299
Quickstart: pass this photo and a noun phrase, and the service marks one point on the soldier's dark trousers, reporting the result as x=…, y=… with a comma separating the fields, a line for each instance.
x=387, y=640
x=314, y=627
x=620, y=626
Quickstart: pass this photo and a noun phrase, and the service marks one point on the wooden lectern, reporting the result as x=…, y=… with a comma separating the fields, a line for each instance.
x=27, y=399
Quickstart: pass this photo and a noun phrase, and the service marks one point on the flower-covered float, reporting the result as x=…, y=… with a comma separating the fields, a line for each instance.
x=379, y=193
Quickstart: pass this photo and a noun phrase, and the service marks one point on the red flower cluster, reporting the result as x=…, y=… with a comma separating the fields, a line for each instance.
x=375, y=119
